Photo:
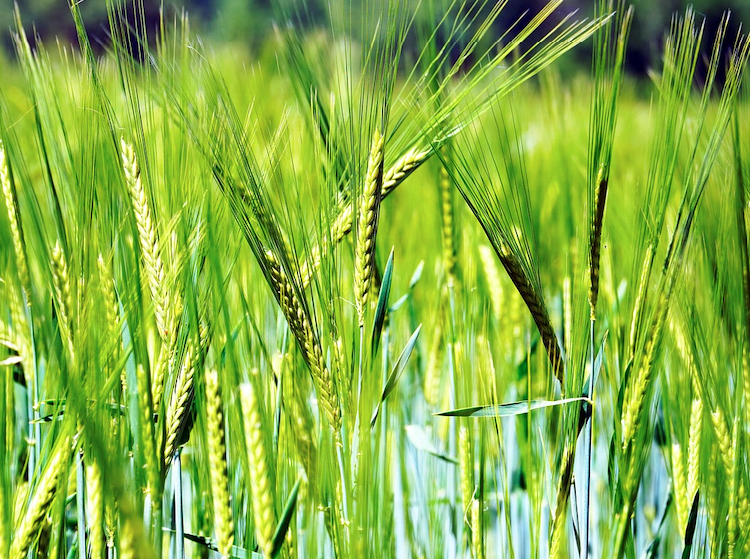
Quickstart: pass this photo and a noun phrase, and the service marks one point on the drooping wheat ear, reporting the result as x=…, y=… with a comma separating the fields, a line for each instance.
x=177, y=410
x=260, y=482
x=16, y=232
x=37, y=508
x=307, y=340
x=642, y=290
x=694, y=448
x=679, y=484
x=447, y=215
x=61, y=281
x=217, y=459
x=95, y=511
x=147, y=434
x=595, y=236
x=367, y=226
x=538, y=309
x=342, y=224
x=466, y=468
x=147, y=239
x=477, y=533
x=561, y=507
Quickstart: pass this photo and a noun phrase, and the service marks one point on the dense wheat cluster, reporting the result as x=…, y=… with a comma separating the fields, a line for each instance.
x=353, y=299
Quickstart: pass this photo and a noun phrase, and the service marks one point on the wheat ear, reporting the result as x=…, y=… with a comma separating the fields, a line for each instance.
x=147, y=238
x=177, y=409
x=307, y=340
x=260, y=482
x=217, y=459
x=595, y=237
x=61, y=281
x=342, y=224
x=94, y=493
x=16, y=232
x=367, y=226
x=40, y=503
x=447, y=216
x=538, y=309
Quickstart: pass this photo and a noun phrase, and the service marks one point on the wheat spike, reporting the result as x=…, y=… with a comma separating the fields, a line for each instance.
x=217, y=458
x=595, y=237
x=537, y=308
x=37, y=509
x=147, y=239
x=448, y=233
x=466, y=467
x=307, y=340
x=342, y=224
x=16, y=232
x=177, y=409
x=477, y=533
x=95, y=519
x=679, y=483
x=261, y=493
x=368, y=226
x=61, y=281
x=642, y=290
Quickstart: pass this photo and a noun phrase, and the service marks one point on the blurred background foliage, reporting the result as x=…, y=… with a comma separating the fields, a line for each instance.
x=250, y=23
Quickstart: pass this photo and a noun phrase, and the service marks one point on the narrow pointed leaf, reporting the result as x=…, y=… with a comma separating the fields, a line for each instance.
x=286, y=518
x=382, y=308
x=691, y=524
x=398, y=368
x=508, y=410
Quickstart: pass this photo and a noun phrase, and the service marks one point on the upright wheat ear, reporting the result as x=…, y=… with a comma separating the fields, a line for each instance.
x=61, y=280
x=147, y=239
x=260, y=483
x=367, y=227
x=37, y=509
x=16, y=233
x=342, y=224
x=595, y=237
x=217, y=459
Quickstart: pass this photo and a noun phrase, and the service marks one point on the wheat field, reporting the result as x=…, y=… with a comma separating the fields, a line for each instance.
x=401, y=287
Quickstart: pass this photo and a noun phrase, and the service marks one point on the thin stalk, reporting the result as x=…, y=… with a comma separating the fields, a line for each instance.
x=179, y=544
x=80, y=505
x=588, y=451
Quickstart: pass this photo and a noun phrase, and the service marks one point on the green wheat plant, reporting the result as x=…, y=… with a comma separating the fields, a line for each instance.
x=395, y=286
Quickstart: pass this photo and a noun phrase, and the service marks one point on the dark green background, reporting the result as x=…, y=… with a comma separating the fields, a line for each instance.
x=249, y=22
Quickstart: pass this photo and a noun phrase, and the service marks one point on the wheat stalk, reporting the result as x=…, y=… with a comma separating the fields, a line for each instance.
x=218, y=470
